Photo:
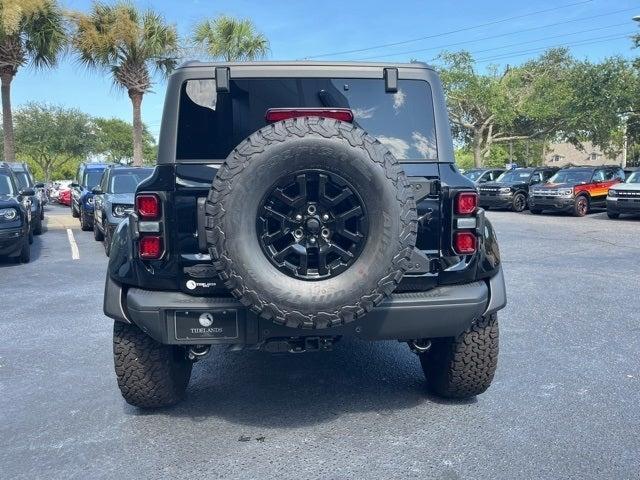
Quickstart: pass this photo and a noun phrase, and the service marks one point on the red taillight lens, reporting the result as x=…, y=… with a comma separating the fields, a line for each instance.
x=150, y=247
x=148, y=206
x=464, y=243
x=278, y=114
x=466, y=203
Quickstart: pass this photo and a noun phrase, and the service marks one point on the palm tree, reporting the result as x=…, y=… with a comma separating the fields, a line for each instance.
x=231, y=39
x=31, y=32
x=132, y=45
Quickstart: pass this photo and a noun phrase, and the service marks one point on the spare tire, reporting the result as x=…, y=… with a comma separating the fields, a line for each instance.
x=311, y=222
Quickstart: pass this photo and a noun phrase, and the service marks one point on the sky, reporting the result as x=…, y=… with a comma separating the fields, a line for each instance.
x=497, y=32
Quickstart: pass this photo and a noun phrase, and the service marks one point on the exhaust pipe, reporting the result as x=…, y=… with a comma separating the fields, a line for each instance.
x=419, y=346
x=198, y=352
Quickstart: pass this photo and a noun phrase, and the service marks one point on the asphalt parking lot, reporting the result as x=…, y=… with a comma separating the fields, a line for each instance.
x=565, y=402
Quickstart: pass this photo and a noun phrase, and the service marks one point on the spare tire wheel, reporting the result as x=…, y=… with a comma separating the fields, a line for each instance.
x=311, y=222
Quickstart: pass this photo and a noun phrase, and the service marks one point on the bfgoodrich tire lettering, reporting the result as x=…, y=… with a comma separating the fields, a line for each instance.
x=463, y=366
x=252, y=170
x=149, y=373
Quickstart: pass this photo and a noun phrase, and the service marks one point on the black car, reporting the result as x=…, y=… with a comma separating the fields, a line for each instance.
x=284, y=216
x=113, y=199
x=16, y=233
x=25, y=180
x=511, y=189
x=483, y=175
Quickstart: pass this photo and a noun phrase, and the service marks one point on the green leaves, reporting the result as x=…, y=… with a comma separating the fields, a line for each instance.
x=230, y=39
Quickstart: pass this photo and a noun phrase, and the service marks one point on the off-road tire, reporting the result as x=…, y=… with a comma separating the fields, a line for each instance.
x=519, y=202
x=37, y=229
x=463, y=366
x=84, y=224
x=579, y=209
x=292, y=146
x=150, y=374
x=25, y=253
x=613, y=216
x=98, y=236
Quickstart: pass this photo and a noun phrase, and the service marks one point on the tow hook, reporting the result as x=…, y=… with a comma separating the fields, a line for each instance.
x=198, y=352
x=419, y=346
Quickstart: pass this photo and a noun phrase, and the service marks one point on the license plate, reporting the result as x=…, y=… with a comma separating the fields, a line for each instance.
x=194, y=325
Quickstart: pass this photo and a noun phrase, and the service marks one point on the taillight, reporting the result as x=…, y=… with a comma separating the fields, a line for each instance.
x=466, y=203
x=148, y=206
x=464, y=242
x=278, y=114
x=150, y=247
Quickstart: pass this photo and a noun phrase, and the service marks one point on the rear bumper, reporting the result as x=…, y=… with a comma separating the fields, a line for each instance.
x=442, y=312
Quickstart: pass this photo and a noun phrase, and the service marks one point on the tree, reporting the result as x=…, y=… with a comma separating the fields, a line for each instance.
x=132, y=45
x=31, y=32
x=230, y=39
x=52, y=137
x=520, y=103
x=113, y=137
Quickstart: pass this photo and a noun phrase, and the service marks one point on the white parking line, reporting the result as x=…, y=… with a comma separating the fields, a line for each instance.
x=75, y=253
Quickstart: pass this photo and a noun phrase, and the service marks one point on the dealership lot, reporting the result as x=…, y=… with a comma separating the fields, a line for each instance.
x=564, y=403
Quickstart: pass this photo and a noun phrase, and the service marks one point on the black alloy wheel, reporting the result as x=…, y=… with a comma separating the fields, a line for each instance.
x=519, y=202
x=312, y=225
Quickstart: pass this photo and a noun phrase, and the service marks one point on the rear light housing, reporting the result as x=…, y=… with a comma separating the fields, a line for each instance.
x=465, y=242
x=466, y=203
x=148, y=206
x=151, y=247
x=279, y=114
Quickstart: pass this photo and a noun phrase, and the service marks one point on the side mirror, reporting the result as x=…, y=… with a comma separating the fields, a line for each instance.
x=96, y=191
x=39, y=185
x=74, y=185
x=27, y=192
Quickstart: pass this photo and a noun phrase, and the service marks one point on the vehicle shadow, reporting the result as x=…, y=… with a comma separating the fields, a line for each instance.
x=36, y=252
x=292, y=390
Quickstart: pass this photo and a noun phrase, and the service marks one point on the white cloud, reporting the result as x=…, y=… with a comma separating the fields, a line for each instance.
x=363, y=112
x=423, y=145
x=398, y=147
x=398, y=100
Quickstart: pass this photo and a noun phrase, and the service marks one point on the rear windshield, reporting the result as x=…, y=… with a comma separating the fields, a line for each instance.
x=211, y=124
x=126, y=182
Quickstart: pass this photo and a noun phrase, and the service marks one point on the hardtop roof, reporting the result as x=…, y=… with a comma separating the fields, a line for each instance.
x=305, y=63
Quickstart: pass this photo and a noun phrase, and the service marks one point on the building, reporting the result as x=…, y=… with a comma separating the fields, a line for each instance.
x=562, y=154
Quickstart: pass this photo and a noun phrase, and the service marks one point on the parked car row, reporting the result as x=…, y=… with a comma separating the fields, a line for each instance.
x=576, y=190
x=21, y=211
x=102, y=196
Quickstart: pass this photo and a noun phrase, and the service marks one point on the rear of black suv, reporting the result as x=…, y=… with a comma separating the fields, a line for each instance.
x=297, y=203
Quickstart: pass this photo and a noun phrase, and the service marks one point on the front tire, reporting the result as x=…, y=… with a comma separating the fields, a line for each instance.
x=613, y=216
x=464, y=366
x=37, y=229
x=74, y=212
x=519, y=202
x=25, y=253
x=98, y=236
x=150, y=374
x=84, y=223
x=581, y=206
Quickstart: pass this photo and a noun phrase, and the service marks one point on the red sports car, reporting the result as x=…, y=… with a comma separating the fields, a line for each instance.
x=65, y=197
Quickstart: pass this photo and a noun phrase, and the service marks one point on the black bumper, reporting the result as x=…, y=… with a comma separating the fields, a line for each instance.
x=555, y=203
x=623, y=205
x=496, y=201
x=442, y=312
x=12, y=240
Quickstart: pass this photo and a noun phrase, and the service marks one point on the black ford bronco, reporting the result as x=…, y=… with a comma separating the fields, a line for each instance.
x=294, y=204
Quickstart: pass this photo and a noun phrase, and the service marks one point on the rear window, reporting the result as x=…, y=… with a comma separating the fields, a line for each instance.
x=211, y=124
